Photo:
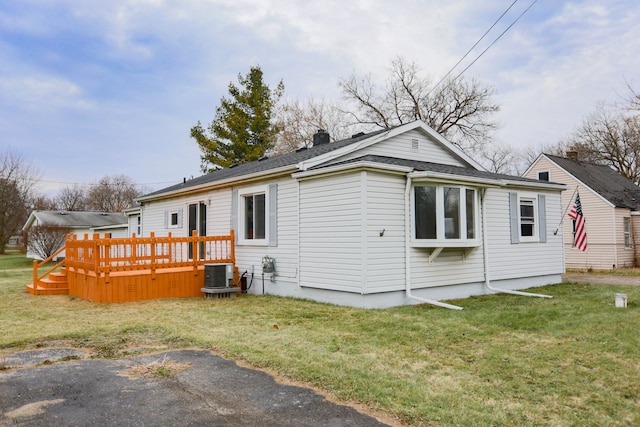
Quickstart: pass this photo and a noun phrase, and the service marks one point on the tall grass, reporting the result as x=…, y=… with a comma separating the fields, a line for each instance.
x=504, y=360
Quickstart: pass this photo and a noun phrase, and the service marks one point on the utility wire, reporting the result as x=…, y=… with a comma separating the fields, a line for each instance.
x=479, y=40
x=498, y=38
x=474, y=46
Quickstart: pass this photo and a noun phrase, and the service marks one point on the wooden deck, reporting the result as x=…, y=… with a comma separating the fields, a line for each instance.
x=133, y=269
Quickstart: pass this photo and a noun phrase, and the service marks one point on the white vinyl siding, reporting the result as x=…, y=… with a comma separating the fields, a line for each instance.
x=385, y=233
x=331, y=233
x=508, y=260
x=401, y=147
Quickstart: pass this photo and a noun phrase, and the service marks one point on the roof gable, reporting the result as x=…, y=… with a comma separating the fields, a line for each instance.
x=609, y=184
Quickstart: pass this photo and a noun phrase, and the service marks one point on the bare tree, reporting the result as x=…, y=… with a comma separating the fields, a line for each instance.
x=72, y=198
x=458, y=109
x=612, y=137
x=112, y=194
x=42, y=202
x=17, y=179
x=45, y=240
x=299, y=121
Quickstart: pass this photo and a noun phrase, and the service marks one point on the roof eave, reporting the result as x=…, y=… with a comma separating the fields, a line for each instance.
x=221, y=183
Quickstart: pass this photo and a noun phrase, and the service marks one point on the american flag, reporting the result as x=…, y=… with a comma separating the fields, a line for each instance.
x=580, y=233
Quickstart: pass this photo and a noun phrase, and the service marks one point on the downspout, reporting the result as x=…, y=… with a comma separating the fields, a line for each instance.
x=485, y=255
x=407, y=249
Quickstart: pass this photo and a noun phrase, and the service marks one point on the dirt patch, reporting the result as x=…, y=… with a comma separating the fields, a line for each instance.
x=31, y=409
x=160, y=368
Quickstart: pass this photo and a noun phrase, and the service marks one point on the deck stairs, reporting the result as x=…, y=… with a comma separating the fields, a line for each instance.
x=54, y=284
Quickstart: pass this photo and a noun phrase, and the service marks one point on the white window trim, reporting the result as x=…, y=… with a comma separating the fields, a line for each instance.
x=251, y=191
x=536, y=217
x=179, y=213
x=440, y=240
x=628, y=236
x=548, y=174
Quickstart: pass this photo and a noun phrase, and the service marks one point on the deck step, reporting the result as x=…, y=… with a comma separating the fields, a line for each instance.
x=46, y=291
x=60, y=277
x=49, y=283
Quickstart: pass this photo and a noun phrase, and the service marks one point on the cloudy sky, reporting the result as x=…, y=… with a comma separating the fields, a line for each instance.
x=95, y=88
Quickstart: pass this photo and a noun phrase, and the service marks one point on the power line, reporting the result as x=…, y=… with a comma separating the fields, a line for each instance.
x=480, y=39
x=97, y=183
x=474, y=45
x=498, y=38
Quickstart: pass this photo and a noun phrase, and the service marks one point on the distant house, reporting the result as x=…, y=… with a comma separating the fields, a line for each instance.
x=80, y=223
x=610, y=207
x=394, y=217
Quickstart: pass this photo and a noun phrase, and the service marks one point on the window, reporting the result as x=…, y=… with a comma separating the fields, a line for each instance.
x=173, y=218
x=254, y=215
x=527, y=217
x=444, y=214
x=543, y=176
x=254, y=220
x=627, y=232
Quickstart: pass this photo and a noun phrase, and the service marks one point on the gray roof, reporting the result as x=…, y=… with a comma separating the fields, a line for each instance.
x=420, y=166
x=293, y=158
x=74, y=219
x=611, y=185
x=265, y=164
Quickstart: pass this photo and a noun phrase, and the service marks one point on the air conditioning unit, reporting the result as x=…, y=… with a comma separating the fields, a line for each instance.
x=218, y=276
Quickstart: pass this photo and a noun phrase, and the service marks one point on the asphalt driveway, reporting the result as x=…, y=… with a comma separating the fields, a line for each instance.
x=56, y=387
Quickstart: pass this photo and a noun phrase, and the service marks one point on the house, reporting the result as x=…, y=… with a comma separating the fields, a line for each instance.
x=393, y=217
x=610, y=207
x=80, y=223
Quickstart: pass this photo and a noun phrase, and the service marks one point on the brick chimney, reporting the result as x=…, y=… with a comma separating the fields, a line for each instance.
x=572, y=155
x=321, y=137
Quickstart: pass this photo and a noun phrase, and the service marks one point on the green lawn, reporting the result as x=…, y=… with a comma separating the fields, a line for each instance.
x=504, y=360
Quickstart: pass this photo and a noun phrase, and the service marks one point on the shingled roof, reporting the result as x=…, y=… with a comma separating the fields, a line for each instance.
x=420, y=166
x=611, y=185
x=265, y=164
x=76, y=219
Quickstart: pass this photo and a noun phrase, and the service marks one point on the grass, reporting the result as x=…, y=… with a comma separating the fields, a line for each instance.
x=504, y=360
x=632, y=272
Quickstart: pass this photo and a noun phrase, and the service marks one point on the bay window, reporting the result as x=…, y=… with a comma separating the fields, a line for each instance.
x=444, y=215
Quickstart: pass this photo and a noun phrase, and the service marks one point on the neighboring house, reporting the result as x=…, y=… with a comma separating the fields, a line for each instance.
x=134, y=220
x=610, y=207
x=80, y=223
x=383, y=219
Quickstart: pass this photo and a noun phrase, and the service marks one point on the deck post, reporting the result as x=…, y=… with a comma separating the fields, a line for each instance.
x=196, y=251
x=152, y=235
x=107, y=256
x=232, y=244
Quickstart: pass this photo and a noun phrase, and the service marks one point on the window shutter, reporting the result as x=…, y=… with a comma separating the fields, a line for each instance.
x=234, y=213
x=273, y=214
x=166, y=219
x=513, y=215
x=542, y=218
x=180, y=218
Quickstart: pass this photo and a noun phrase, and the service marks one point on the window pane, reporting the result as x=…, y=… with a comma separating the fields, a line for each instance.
x=248, y=217
x=259, y=219
x=527, y=219
x=471, y=213
x=425, y=214
x=451, y=213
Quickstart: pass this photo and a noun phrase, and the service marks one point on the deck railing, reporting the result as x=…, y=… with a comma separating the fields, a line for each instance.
x=108, y=255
